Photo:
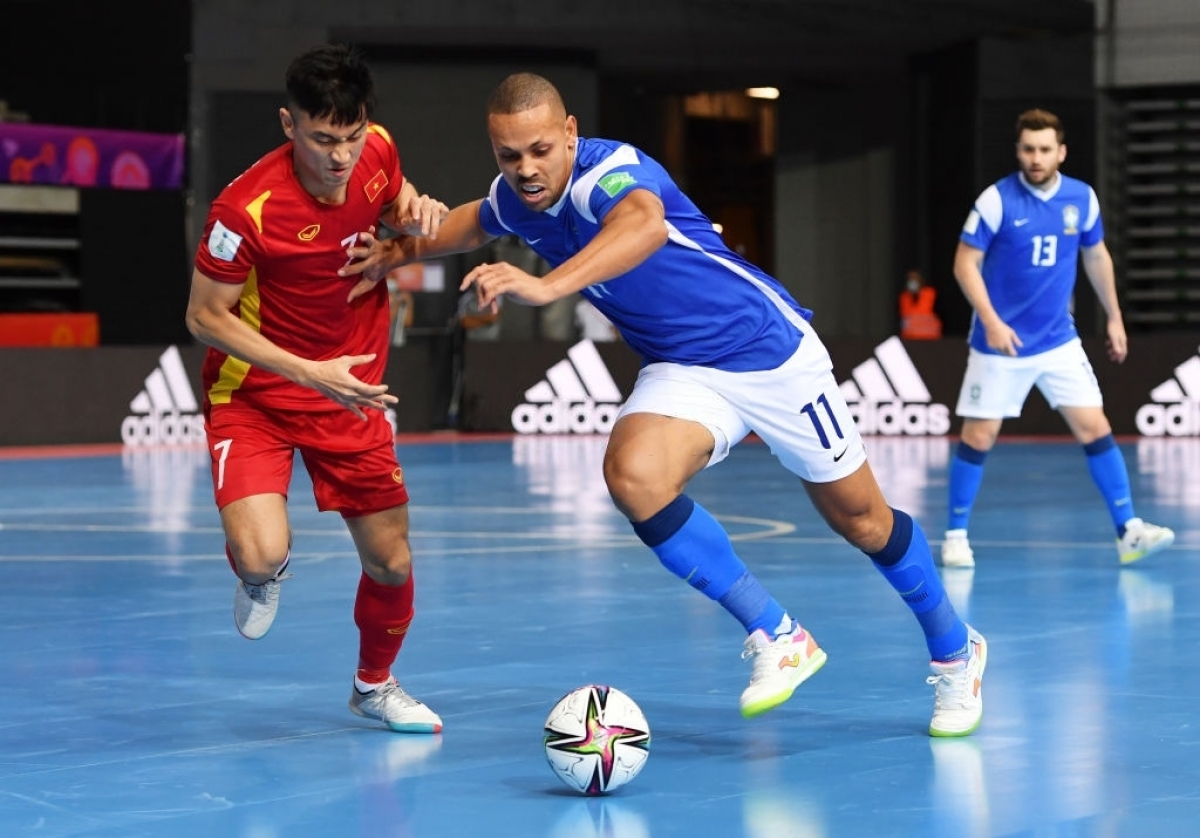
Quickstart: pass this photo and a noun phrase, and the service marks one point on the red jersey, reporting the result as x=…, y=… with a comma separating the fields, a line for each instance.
x=267, y=231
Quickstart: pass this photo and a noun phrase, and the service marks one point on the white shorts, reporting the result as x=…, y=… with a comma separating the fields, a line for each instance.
x=996, y=386
x=797, y=409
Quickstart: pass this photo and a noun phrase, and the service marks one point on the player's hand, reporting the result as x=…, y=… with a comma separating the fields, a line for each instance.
x=422, y=216
x=370, y=258
x=1002, y=338
x=1118, y=344
x=492, y=280
x=334, y=380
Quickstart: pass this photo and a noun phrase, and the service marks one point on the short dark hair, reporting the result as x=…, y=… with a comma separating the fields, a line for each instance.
x=522, y=91
x=1036, y=119
x=332, y=81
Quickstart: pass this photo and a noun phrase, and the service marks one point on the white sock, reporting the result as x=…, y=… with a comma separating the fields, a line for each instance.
x=786, y=626
x=363, y=687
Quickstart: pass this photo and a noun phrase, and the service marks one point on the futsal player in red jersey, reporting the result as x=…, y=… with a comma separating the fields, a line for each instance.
x=293, y=365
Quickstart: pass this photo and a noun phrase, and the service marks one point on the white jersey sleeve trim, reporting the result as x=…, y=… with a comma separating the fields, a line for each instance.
x=1093, y=213
x=625, y=155
x=494, y=201
x=990, y=207
x=673, y=234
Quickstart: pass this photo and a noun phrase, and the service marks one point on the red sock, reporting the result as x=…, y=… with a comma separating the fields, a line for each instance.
x=382, y=614
x=229, y=556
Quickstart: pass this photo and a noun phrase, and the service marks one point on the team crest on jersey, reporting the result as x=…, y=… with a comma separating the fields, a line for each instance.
x=223, y=243
x=615, y=183
x=1070, y=219
x=375, y=185
x=309, y=233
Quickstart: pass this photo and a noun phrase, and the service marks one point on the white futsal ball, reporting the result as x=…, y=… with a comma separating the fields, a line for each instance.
x=597, y=739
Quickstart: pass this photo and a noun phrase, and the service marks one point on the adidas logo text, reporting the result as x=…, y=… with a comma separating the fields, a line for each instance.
x=1175, y=404
x=578, y=396
x=165, y=413
x=887, y=396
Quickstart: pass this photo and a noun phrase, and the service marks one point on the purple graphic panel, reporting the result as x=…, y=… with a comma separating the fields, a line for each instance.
x=90, y=157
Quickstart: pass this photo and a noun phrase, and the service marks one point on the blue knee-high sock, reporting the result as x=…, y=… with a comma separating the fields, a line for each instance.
x=966, y=473
x=1107, y=465
x=692, y=545
x=905, y=561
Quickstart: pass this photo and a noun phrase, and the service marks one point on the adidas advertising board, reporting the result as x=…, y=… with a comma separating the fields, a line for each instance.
x=140, y=396
x=888, y=397
x=165, y=412
x=1174, y=407
x=577, y=396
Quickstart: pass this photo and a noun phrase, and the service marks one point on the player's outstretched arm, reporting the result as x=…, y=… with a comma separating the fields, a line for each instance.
x=373, y=258
x=211, y=320
x=414, y=214
x=631, y=232
x=968, y=270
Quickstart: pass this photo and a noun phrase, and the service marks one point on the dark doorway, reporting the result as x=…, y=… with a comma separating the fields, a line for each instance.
x=728, y=155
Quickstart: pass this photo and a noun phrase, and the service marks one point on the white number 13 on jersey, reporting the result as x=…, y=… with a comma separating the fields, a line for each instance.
x=1045, y=250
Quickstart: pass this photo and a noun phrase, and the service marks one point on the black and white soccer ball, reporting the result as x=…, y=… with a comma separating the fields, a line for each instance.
x=597, y=739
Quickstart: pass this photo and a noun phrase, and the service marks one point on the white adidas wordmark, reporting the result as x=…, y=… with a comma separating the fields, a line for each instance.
x=165, y=412
x=887, y=396
x=577, y=396
x=1175, y=404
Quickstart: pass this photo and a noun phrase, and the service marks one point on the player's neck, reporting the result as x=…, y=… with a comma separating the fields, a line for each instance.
x=1047, y=185
x=333, y=200
x=333, y=196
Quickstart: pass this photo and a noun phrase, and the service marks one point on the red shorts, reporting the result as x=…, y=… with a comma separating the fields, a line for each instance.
x=352, y=463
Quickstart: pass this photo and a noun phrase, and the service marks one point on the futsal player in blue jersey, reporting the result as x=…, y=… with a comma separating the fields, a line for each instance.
x=1016, y=262
x=726, y=351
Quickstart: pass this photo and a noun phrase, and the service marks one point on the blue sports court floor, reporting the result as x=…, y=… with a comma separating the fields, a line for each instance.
x=131, y=707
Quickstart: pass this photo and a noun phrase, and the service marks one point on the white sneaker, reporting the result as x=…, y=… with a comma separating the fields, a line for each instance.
x=254, y=606
x=780, y=665
x=958, y=690
x=1142, y=540
x=956, y=550
x=395, y=708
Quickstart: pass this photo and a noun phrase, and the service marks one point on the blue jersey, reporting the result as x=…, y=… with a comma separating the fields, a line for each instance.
x=693, y=301
x=1031, y=240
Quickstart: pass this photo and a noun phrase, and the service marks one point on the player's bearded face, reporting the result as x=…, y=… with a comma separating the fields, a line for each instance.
x=1040, y=154
x=535, y=150
x=324, y=154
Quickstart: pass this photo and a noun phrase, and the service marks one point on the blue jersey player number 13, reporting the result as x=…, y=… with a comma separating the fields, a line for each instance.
x=1017, y=260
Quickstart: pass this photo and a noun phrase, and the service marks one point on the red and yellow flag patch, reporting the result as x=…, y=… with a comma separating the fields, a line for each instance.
x=375, y=185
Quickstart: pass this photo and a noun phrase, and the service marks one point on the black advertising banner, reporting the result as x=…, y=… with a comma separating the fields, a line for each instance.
x=894, y=387
x=147, y=396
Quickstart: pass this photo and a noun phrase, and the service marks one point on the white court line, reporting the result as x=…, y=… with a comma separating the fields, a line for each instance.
x=769, y=529
x=187, y=507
